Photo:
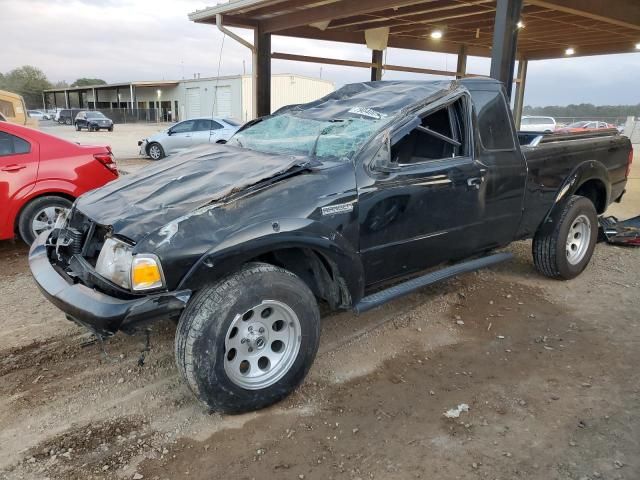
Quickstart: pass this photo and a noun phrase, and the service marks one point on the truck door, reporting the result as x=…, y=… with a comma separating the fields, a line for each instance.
x=420, y=196
x=506, y=170
x=18, y=172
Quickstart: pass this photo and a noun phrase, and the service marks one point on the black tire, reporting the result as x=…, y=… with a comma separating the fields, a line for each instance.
x=550, y=242
x=67, y=121
x=154, y=147
x=32, y=209
x=111, y=129
x=205, y=323
x=78, y=127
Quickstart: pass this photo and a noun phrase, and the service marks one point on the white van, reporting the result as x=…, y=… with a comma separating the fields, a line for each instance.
x=538, y=124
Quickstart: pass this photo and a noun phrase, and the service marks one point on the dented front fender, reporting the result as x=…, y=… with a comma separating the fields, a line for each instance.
x=266, y=237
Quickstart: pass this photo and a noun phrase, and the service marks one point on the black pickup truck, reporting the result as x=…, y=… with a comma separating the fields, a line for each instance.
x=352, y=200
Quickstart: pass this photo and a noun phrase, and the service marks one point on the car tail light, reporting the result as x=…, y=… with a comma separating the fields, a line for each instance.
x=107, y=160
x=629, y=162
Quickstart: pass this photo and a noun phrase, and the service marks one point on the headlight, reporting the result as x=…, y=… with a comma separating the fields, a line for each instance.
x=117, y=264
x=114, y=262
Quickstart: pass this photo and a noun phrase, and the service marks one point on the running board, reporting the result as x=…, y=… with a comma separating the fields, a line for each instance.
x=402, y=289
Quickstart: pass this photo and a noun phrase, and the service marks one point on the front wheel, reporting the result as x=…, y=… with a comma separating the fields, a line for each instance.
x=248, y=340
x=155, y=151
x=563, y=248
x=67, y=121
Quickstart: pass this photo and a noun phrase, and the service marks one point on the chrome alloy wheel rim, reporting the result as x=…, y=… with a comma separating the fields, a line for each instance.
x=578, y=239
x=46, y=218
x=154, y=152
x=261, y=345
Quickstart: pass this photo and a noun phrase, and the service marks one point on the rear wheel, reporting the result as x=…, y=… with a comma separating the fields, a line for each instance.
x=563, y=248
x=68, y=121
x=78, y=128
x=40, y=215
x=248, y=340
x=155, y=150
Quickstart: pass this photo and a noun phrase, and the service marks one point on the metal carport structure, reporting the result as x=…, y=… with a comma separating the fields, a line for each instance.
x=504, y=30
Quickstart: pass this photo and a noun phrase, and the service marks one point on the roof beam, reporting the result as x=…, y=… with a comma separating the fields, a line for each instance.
x=425, y=44
x=330, y=12
x=420, y=23
x=327, y=61
x=351, y=63
x=402, y=13
x=624, y=13
x=598, y=49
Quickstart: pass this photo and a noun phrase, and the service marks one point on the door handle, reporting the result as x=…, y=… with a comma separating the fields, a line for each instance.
x=475, y=182
x=13, y=168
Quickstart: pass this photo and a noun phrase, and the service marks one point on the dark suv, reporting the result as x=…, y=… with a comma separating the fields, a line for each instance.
x=67, y=115
x=93, y=121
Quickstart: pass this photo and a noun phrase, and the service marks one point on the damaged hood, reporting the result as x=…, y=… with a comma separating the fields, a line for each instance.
x=140, y=203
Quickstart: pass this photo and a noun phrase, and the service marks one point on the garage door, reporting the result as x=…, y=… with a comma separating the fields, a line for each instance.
x=223, y=101
x=193, y=102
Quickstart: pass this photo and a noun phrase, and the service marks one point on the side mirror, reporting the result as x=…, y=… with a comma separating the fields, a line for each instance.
x=169, y=132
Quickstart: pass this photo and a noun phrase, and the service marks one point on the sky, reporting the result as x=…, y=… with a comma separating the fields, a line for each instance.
x=127, y=40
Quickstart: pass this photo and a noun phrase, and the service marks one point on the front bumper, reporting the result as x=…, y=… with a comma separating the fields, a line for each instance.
x=101, y=126
x=99, y=312
x=143, y=147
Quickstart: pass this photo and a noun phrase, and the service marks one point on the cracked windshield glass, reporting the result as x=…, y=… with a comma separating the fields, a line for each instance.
x=336, y=139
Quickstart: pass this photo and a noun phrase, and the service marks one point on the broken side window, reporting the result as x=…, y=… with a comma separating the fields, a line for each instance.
x=438, y=135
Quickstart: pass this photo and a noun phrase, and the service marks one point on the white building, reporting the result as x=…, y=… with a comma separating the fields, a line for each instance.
x=229, y=96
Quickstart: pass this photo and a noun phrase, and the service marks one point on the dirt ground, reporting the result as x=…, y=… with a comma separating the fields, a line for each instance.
x=548, y=369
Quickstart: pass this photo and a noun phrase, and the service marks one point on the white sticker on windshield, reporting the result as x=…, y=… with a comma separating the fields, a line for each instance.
x=367, y=112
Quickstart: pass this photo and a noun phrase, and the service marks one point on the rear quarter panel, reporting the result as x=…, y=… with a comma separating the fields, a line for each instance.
x=64, y=169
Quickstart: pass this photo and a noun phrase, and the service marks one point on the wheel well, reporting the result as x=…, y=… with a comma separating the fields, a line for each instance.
x=153, y=143
x=43, y=194
x=315, y=269
x=595, y=191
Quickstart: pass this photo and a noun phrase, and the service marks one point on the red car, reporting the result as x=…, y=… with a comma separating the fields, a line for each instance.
x=584, y=126
x=41, y=175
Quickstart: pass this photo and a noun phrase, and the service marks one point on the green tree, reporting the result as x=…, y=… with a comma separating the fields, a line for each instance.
x=84, y=82
x=585, y=110
x=27, y=81
x=60, y=84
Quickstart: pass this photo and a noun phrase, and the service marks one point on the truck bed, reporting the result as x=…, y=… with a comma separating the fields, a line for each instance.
x=551, y=159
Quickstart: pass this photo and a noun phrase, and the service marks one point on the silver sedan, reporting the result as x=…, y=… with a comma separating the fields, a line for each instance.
x=186, y=134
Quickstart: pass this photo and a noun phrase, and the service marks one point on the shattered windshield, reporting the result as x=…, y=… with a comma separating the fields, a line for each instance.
x=288, y=134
